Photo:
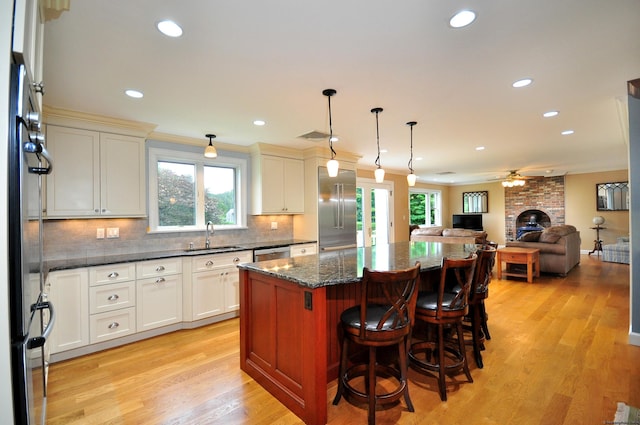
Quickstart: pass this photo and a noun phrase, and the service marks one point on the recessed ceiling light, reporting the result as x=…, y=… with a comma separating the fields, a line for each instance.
x=462, y=18
x=134, y=93
x=259, y=122
x=567, y=132
x=522, y=83
x=169, y=28
x=479, y=148
x=550, y=114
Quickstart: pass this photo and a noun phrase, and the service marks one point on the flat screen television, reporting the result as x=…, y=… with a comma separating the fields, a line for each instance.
x=467, y=221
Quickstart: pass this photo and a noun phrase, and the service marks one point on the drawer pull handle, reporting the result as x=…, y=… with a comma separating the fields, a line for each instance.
x=113, y=325
x=113, y=275
x=113, y=297
x=160, y=280
x=236, y=260
x=160, y=268
x=303, y=250
x=209, y=263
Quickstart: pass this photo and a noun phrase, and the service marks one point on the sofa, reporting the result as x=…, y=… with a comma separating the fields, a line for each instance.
x=445, y=235
x=617, y=252
x=559, y=247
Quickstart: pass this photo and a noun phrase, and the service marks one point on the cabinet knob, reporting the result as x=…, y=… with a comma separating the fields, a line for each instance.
x=113, y=275
x=113, y=325
x=96, y=210
x=236, y=260
x=209, y=263
x=160, y=269
x=160, y=280
x=39, y=87
x=303, y=250
x=113, y=297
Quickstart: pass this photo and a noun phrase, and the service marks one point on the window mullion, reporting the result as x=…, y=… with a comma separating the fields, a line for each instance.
x=200, y=195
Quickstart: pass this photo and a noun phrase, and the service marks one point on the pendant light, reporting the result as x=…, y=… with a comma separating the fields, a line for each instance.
x=210, y=151
x=332, y=165
x=411, y=178
x=379, y=173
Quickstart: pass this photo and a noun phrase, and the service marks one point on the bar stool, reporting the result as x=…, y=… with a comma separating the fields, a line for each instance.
x=382, y=318
x=439, y=310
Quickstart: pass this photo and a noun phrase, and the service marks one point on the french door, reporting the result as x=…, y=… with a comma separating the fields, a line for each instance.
x=374, y=212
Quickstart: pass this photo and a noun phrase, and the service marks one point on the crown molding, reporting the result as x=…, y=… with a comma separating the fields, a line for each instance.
x=69, y=118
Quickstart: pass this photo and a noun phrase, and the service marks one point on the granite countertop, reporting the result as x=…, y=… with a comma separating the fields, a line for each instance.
x=345, y=266
x=99, y=260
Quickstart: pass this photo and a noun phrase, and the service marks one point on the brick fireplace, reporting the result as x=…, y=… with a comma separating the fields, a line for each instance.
x=543, y=196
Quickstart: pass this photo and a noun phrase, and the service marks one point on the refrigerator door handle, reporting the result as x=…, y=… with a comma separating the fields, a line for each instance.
x=342, y=205
x=39, y=341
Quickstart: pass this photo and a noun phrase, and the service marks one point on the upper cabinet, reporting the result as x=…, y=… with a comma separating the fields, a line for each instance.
x=28, y=42
x=96, y=174
x=278, y=181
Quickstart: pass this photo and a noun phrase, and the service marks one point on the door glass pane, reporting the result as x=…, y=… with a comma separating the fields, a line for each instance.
x=359, y=225
x=176, y=194
x=417, y=208
x=219, y=195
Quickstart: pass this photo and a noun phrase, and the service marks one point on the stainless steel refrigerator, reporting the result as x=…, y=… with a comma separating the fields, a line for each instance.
x=336, y=210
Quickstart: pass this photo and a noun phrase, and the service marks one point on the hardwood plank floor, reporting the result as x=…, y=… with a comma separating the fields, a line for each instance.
x=558, y=355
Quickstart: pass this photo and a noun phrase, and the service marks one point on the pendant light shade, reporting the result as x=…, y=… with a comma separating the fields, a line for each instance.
x=411, y=178
x=332, y=165
x=379, y=173
x=210, y=151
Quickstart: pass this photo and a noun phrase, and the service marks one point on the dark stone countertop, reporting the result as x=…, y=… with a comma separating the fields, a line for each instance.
x=345, y=266
x=100, y=260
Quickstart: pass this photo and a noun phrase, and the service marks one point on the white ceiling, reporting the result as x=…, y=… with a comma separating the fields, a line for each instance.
x=238, y=61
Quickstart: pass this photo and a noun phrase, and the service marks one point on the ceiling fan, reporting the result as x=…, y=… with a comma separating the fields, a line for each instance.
x=514, y=179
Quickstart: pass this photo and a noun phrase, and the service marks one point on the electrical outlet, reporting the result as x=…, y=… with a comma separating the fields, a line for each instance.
x=100, y=233
x=274, y=225
x=113, y=232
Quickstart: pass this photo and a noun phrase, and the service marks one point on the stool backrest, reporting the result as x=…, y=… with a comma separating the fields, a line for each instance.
x=462, y=271
x=396, y=292
x=482, y=276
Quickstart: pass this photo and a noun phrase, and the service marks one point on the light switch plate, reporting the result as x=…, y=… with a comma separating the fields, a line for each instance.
x=274, y=225
x=100, y=233
x=113, y=232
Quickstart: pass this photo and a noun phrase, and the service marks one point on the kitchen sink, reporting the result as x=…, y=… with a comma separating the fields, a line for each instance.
x=214, y=249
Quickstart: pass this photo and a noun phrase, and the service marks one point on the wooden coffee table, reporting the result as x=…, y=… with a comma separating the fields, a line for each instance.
x=514, y=255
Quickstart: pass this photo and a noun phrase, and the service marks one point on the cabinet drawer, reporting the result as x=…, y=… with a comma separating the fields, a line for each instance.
x=111, y=273
x=160, y=267
x=112, y=297
x=112, y=324
x=214, y=261
x=303, y=249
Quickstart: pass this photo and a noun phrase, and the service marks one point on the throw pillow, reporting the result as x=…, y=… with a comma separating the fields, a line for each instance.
x=531, y=236
x=549, y=237
x=428, y=231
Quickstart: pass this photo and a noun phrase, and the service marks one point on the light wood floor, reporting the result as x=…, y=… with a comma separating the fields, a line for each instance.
x=558, y=355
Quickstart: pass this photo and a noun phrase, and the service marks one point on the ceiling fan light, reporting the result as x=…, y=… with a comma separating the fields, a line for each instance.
x=379, y=173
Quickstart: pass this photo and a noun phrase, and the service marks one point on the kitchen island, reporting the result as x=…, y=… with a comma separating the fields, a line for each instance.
x=290, y=311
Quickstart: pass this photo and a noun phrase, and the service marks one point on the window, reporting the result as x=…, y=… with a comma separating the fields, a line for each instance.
x=424, y=207
x=186, y=190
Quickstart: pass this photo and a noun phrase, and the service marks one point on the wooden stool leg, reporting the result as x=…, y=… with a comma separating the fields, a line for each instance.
x=463, y=351
x=402, y=360
x=343, y=368
x=372, y=386
x=441, y=375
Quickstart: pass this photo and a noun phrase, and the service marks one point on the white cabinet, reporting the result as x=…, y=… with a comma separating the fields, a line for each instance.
x=215, y=283
x=97, y=174
x=28, y=41
x=158, y=293
x=302, y=249
x=68, y=291
x=112, y=301
x=278, y=185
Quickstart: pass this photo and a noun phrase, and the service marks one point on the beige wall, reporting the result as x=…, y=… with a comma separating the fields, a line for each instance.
x=492, y=221
x=580, y=203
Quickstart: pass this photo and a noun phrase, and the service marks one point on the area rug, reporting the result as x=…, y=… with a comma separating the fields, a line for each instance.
x=626, y=414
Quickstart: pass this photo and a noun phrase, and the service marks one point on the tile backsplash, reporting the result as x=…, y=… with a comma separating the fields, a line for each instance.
x=76, y=238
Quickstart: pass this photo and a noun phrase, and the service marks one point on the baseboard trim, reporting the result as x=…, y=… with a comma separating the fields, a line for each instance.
x=634, y=338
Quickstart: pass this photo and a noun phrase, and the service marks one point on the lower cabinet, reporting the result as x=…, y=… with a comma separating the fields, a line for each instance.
x=112, y=324
x=68, y=291
x=159, y=302
x=215, y=283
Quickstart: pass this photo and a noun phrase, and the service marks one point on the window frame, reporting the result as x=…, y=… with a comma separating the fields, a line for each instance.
x=185, y=155
x=438, y=208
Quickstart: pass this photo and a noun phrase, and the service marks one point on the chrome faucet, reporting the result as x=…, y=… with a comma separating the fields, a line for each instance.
x=207, y=242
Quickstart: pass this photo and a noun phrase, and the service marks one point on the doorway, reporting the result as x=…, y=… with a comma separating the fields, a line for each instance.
x=374, y=212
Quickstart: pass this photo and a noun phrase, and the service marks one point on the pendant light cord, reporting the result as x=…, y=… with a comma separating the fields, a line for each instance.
x=333, y=152
x=377, y=111
x=410, y=164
